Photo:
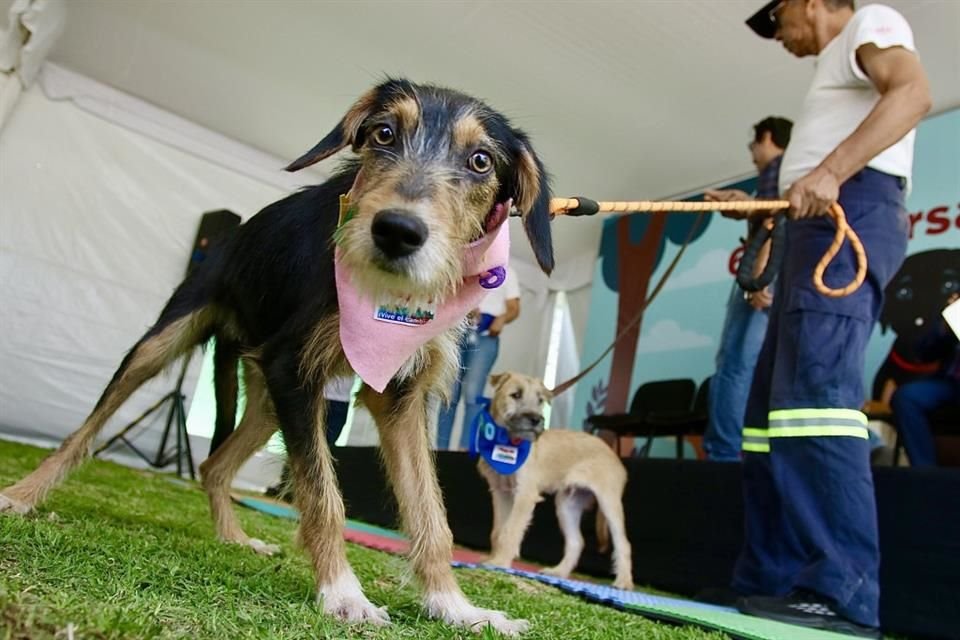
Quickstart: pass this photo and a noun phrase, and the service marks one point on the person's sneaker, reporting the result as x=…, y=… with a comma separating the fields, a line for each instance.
x=806, y=609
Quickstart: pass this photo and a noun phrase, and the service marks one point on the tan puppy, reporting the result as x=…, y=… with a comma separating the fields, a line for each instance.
x=576, y=467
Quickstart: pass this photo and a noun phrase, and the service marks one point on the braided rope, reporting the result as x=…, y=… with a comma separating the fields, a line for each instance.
x=562, y=206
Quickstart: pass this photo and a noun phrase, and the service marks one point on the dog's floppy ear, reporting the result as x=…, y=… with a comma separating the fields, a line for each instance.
x=498, y=378
x=547, y=393
x=345, y=133
x=532, y=199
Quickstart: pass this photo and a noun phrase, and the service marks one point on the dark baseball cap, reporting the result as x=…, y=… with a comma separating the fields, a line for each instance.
x=763, y=22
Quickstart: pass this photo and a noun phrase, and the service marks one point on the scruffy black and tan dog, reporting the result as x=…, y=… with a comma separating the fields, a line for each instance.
x=319, y=285
x=579, y=469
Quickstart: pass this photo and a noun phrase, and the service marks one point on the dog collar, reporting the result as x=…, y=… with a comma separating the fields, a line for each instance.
x=503, y=453
x=379, y=336
x=913, y=367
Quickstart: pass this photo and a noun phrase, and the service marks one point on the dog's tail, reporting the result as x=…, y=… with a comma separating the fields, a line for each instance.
x=187, y=320
x=603, y=532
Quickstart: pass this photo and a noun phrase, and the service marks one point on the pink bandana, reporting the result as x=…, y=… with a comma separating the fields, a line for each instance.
x=378, y=339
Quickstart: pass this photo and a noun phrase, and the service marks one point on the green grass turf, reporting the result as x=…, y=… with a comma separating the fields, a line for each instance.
x=120, y=553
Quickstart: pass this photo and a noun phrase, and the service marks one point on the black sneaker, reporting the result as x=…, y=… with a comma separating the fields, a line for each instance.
x=805, y=609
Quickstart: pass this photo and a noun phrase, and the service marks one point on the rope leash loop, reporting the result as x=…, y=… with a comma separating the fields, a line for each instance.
x=774, y=230
x=581, y=206
x=844, y=231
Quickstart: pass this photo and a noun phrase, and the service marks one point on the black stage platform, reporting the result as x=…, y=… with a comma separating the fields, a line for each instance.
x=684, y=522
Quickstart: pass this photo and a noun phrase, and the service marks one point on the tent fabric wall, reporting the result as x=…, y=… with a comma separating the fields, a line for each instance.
x=123, y=110
x=536, y=318
x=32, y=28
x=10, y=90
x=96, y=226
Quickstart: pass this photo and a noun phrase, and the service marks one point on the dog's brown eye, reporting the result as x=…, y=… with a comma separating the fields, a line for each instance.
x=481, y=162
x=383, y=136
x=516, y=395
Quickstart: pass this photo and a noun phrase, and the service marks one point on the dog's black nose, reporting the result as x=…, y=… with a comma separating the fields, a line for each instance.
x=533, y=420
x=398, y=233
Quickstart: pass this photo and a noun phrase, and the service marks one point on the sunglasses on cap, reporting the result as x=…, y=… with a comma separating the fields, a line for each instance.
x=766, y=21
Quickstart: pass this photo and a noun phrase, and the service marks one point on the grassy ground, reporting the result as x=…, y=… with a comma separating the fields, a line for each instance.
x=119, y=553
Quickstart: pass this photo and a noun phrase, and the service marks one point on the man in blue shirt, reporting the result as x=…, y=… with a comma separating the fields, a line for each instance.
x=747, y=313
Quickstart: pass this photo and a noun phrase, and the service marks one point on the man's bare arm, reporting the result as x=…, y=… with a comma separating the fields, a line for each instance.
x=904, y=100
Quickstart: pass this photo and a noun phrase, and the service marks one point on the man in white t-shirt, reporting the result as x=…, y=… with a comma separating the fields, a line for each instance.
x=478, y=352
x=810, y=553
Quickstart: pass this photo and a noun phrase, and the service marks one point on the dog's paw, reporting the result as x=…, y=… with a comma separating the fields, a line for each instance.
x=557, y=572
x=343, y=599
x=498, y=561
x=455, y=609
x=262, y=547
x=10, y=506
x=354, y=610
x=623, y=583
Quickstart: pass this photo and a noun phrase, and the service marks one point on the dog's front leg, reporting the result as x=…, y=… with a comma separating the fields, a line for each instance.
x=502, y=506
x=506, y=544
x=301, y=410
x=401, y=417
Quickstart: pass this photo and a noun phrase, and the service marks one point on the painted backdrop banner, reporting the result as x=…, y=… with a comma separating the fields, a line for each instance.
x=679, y=334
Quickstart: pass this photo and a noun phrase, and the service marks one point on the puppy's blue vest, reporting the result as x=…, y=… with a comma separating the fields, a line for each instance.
x=504, y=454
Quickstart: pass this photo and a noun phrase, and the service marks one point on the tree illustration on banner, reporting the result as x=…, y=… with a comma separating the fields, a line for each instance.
x=631, y=248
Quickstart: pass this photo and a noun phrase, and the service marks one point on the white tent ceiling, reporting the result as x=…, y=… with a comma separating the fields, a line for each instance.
x=637, y=99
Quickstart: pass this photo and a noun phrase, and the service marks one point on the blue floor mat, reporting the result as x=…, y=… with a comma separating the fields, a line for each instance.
x=602, y=593
x=674, y=610
x=662, y=608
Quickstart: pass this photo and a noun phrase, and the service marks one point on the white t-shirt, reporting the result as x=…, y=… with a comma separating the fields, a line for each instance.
x=495, y=302
x=842, y=95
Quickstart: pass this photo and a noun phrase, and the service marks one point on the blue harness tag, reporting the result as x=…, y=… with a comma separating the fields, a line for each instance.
x=504, y=454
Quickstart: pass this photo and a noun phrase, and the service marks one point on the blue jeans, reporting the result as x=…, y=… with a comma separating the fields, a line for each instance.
x=912, y=404
x=477, y=355
x=740, y=343
x=336, y=419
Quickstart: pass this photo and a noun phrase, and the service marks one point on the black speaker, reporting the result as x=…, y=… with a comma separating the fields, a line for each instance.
x=215, y=227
